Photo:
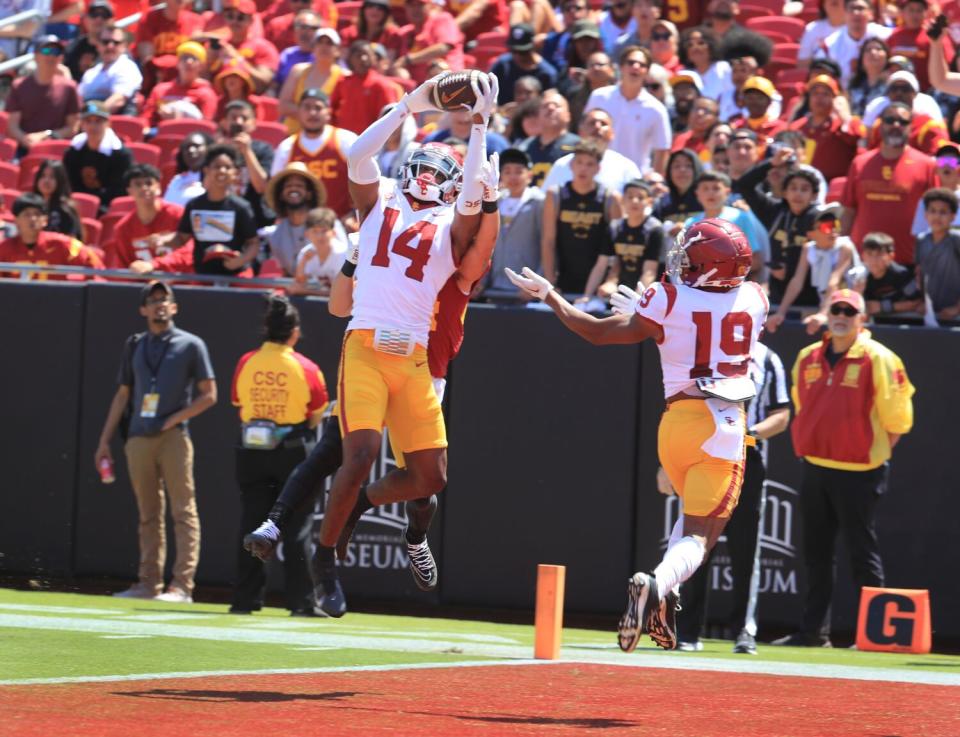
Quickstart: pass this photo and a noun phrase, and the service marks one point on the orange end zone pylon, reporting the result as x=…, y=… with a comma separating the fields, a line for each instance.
x=548, y=620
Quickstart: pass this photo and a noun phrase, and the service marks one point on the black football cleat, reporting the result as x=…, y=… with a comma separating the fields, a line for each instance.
x=641, y=598
x=262, y=542
x=422, y=565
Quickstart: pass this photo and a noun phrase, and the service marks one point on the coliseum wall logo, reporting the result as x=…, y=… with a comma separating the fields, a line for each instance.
x=778, y=527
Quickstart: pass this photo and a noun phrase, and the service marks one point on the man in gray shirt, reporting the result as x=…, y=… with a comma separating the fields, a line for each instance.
x=156, y=382
x=521, y=211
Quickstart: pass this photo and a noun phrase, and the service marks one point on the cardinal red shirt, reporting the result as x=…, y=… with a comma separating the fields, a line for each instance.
x=926, y=134
x=439, y=28
x=200, y=93
x=257, y=51
x=166, y=34
x=884, y=192
x=915, y=45
x=357, y=101
x=51, y=249
x=130, y=235
x=832, y=145
x=687, y=140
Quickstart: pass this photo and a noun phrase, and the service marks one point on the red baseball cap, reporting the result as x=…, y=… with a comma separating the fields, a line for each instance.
x=850, y=297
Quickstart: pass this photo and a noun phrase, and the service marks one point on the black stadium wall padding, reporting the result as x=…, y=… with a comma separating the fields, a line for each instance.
x=552, y=459
x=42, y=330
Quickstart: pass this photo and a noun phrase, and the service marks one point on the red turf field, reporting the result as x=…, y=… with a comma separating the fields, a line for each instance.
x=555, y=699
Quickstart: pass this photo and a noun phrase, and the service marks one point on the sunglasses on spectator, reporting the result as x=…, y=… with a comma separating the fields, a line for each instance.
x=233, y=15
x=660, y=36
x=574, y=8
x=306, y=27
x=892, y=120
x=51, y=51
x=948, y=162
x=844, y=310
x=653, y=86
x=828, y=226
x=111, y=41
x=99, y=13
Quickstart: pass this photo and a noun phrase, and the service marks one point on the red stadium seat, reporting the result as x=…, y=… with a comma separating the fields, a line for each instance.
x=272, y=133
x=835, y=190
x=777, y=38
x=789, y=27
x=269, y=108
x=271, y=269
x=109, y=223
x=87, y=204
x=182, y=127
x=786, y=53
x=168, y=145
x=92, y=230
x=145, y=153
x=8, y=149
x=129, y=127
x=792, y=75
x=9, y=175
x=50, y=149
x=28, y=169
x=7, y=196
x=122, y=204
x=753, y=11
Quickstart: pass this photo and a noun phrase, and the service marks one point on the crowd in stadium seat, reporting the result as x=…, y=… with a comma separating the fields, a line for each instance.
x=811, y=123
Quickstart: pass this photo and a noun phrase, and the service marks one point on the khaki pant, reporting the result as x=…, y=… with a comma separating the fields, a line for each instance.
x=166, y=458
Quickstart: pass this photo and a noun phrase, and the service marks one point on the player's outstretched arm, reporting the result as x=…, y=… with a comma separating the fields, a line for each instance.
x=617, y=329
x=363, y=170
x=341, y=291
x=466, y=220
x=476, y=260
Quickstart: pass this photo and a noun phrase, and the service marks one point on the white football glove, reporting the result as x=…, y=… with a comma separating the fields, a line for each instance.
x=489, y=177
x=353, y=248
x=624, y=300
x=421, y=99
x=487, y=89
x=530, y=282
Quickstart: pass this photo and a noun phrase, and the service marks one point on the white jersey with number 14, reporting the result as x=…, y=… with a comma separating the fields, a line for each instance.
x=705, y=334
x=406, y=256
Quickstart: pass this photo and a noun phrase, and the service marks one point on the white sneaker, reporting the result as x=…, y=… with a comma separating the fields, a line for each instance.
x=137, y=591
x=177, y=596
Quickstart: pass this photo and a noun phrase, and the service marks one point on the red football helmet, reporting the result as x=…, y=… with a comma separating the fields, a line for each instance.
x=433, y=173
x=712, y=253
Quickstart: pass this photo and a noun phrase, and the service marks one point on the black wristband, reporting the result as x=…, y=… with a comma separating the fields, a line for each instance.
x=347, y=269
x=489, y=206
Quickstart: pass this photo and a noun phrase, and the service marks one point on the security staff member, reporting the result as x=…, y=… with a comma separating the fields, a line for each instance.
x=281, y=396
x=853, y=401
x=768, y=414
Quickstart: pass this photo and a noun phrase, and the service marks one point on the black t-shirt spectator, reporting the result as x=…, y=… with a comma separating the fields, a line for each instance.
x=897, y=285
x=77, y=49
x=543, y=156
x=634, y=245
x=583, y=234
x=217, y=228
x=94, y=172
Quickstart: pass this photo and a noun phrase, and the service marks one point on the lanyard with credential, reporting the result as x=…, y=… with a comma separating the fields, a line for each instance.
x=151, y=400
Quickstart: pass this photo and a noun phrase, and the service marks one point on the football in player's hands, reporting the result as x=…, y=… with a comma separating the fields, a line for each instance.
x=455, y=90
x=936, y=28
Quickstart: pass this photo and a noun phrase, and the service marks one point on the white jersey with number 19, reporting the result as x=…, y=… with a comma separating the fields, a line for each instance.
x=406, y=256
x=705, y=334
